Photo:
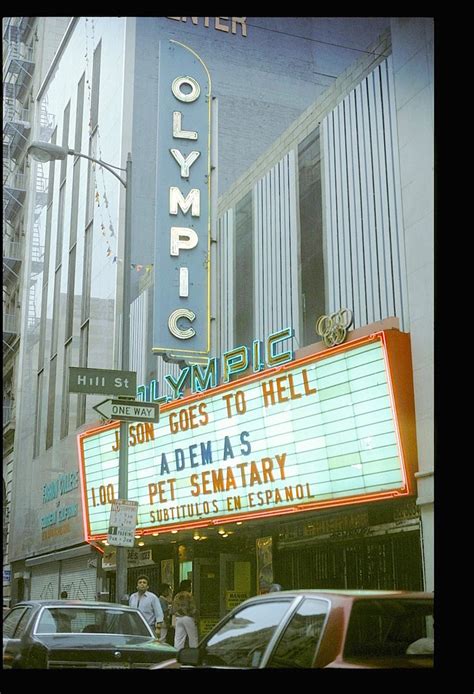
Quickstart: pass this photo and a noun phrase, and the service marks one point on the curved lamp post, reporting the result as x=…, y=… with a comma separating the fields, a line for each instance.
x=43, y=152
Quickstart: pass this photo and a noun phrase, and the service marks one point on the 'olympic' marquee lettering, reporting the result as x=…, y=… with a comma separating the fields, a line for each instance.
x=183, y=238
x=200, y=378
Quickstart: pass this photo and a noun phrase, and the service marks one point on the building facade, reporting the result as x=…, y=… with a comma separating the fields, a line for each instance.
x=323, y=181
x=29, y=44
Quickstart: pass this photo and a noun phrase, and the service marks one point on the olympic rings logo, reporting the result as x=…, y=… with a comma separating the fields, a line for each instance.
x=333, y=328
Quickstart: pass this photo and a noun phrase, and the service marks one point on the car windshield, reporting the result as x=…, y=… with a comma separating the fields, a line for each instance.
x=390, y=627
x=93, y=620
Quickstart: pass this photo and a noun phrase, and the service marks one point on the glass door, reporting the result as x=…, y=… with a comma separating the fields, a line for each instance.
x=206, y=592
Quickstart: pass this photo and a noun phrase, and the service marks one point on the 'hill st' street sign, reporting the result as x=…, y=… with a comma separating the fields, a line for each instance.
x=102, y=382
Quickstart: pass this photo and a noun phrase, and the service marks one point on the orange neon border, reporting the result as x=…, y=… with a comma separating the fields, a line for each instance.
x=407, y=468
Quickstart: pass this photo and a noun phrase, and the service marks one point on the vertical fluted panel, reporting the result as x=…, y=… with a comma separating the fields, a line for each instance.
x=225, y=282
x=276, y=259
x=364, y=228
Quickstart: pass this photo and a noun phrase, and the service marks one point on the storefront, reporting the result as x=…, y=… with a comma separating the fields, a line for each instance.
x=76, y=570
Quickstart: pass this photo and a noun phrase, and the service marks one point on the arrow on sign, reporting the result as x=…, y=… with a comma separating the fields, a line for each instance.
x=131, y=411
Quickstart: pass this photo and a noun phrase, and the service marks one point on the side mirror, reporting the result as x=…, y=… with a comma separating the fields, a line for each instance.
x=189, y=656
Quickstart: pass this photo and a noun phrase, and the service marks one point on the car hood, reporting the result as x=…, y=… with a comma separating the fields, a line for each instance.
x=104, y=641
x=389, y=662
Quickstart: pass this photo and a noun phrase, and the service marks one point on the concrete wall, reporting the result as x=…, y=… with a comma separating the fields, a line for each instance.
x=413, y=56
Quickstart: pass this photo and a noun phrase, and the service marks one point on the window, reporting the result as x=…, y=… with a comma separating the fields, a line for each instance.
x=297, y=647
x=244, y=285
x=66, y=398
x=23, y=622
x=38, y=411
x=311, y=224
x=71, y=276
x=242, y=640
x=79, y=114
x=95, y=87
x=86, y=276
x=387, y=627
x=46, y=625
x=11, y=621
x=72, y=620
x=65, y=141
x=51, y=401
x=83, y=356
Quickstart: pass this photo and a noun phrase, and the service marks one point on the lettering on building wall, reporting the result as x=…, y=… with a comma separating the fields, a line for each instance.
x=230, y=25
x=56, y=521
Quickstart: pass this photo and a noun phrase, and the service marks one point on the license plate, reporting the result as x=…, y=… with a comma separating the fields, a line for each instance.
x=121, y=666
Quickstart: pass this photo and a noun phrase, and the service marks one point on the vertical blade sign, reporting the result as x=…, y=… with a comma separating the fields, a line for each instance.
x=181, y=318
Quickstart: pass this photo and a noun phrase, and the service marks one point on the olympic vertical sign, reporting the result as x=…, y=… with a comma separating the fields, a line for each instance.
x=181, y=317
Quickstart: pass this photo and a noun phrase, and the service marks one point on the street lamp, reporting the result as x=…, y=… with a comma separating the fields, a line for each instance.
x=45, y=151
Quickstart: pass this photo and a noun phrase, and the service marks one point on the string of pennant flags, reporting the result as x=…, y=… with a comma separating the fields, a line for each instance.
x=106, y=225
x=138, y=267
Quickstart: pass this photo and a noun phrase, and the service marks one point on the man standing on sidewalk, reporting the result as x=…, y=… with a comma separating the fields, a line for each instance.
x=148, y=604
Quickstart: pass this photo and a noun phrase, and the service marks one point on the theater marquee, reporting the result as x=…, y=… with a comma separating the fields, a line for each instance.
x=333, y=428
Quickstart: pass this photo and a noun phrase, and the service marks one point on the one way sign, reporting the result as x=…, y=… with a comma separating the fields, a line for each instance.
x=129, y=411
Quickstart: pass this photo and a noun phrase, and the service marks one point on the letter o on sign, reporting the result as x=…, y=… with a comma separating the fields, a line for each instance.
x=181, y=96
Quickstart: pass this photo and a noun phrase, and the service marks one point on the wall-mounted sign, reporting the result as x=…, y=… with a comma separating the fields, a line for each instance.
x=135, y=557
x=332, y=428
x=181, y=319
x=232, y=25
x=333, y=329
x=56, y=516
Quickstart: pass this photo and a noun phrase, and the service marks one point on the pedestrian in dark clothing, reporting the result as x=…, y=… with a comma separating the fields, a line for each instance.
x=166, y=599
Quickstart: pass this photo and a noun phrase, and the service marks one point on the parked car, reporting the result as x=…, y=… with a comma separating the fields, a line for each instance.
x=318, y=629
x=79, y=634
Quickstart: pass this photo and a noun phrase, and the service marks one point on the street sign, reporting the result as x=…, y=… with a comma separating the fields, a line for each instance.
x=122, y=523
x=102, y=381
x=129, y=411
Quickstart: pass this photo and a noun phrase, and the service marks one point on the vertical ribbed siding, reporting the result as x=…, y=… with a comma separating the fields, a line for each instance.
x=163, y=368
x=364, y=230
x=276, y=250
x=78, y=578
x=225, y=282
x=138, y=335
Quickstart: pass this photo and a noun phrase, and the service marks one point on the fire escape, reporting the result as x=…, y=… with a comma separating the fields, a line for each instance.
x=18, y=67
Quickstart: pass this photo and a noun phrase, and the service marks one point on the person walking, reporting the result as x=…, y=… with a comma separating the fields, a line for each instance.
x=184, y=610
x=166, y=599
x=148, y=604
